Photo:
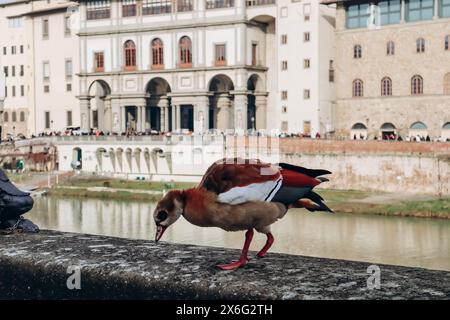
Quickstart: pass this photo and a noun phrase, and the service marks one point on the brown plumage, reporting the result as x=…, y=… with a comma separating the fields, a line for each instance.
x=237, y=194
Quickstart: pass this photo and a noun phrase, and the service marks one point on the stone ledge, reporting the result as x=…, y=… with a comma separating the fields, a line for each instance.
x=35, y=266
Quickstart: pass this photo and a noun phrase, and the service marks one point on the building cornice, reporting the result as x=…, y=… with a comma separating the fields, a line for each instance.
x=422, y=23
x=194, y=69
x=142, y=28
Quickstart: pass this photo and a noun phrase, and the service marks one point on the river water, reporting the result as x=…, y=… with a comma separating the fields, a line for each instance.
x=417, y=242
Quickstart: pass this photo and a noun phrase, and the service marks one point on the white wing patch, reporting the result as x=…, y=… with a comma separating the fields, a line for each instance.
x=264, y=191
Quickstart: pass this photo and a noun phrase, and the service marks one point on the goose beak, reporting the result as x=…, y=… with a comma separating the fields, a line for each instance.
x=159, y=232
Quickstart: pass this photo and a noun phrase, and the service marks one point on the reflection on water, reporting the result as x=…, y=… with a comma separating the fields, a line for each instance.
x=389, y=240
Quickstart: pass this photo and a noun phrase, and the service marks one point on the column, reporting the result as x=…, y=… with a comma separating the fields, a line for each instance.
x=402, y=11
x=139, y=119
x=436, y=9
x=201, y=112
x=223, y=112
x=261, y=112
x=105, y=120
x=174, y=118
x=178, y=116
x=123, y=119
x=240, y=112
x=116, y=115
x=85, y=110
x=164, y=105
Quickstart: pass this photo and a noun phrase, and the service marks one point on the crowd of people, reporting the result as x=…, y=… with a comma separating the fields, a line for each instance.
x=76, y=131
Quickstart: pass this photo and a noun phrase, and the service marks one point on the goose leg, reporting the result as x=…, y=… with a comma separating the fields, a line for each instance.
x=243, y=259
x=269, y=242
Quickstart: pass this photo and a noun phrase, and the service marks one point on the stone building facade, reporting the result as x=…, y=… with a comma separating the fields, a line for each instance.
x=392, y=68
x=197, y=65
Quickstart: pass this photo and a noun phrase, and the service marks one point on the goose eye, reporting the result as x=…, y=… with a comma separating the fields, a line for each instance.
x=162, y=215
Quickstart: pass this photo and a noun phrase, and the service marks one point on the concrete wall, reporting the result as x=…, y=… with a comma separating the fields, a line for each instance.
x=39, y=266
x=359, y=165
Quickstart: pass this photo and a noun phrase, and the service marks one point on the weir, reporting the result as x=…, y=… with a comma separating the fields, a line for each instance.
x=58, y=265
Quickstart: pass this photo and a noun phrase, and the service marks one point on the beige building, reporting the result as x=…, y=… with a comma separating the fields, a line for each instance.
x=39, y=57
x=392, y=68
x=196, y=65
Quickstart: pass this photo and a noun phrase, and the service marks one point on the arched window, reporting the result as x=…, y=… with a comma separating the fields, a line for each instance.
x=358, y=88
x=446, y=126
x=418, y=126
x=14, y=117
x=446, y=42
x=447, y=83
x=5, y=117
x=359, y=126
x=386, y=86
x=357, y=52
x=185, y=52
x=157, y=54
x=390, y=49
x=420, y=45
x=22, y=116
x=416, y=85
x=130, y=55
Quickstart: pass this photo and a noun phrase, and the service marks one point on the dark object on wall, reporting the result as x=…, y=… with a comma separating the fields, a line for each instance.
x=14, y=203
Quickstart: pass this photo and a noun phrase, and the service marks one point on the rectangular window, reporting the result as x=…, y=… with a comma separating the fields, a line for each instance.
x=14, y=116
x=47, y=120
x=444, y=8
x=22, y=71
x=221, y=55
x=13, y=50
x=151, y=7
x=357, y=15
x=15, y=22
x=417, y=10
x=284, y=65
x=215, y=4
x=46, y=71
x=13, y=71
x=13, y=91
x=5, y=71
x=21, y=49
x=284, y=95
x=284, y=126
x=68, y=68
x=98, y=9
x=306, y=11
x=306, y=94
x=45, y=29
x=284, y=39
x=128, y=8
x=306, y=36
x=22, y=91
x=184, y=5
x=254, y=54
x=389, y=12
x=68, y=87
x=307, y=128
x=69, y=118
x=284, y=109
x=306, y=63
x=67, y=26
x=6, y=91
x=22, y=116
x=4, y=51
x=46, y=88
x=331, y=71
x=99, y=65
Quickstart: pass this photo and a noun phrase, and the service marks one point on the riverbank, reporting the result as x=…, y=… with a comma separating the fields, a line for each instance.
x=351, y=201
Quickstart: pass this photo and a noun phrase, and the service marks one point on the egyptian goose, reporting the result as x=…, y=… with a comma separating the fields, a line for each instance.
x=237, y=194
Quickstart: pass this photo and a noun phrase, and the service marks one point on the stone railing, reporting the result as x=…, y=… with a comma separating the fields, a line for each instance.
x=55, y=265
